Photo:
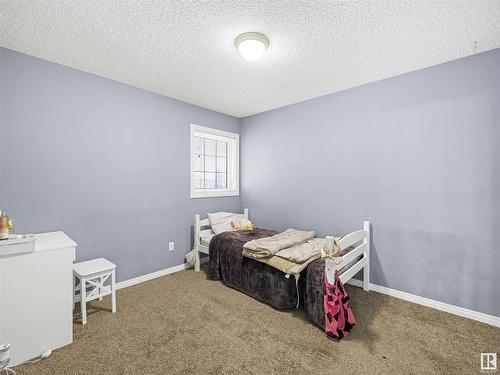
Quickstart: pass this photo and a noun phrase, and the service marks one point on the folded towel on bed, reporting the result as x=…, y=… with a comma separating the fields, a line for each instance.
x=302, y=252
x=286, y=266
x=269, y=246
x=292, y=260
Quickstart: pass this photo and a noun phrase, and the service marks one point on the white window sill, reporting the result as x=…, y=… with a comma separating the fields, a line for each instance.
x=214, y=194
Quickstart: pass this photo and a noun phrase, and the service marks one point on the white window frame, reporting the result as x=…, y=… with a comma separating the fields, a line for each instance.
x=233, y=162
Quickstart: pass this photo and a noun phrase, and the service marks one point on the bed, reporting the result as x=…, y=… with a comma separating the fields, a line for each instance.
x=270, y=285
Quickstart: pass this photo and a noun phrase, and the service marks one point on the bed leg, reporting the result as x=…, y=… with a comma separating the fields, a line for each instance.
x=366, y=278
x=197, y=242
x=366, y=268
x=197, y=261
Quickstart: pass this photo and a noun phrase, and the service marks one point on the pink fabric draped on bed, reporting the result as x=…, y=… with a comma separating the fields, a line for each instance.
x=339, y=318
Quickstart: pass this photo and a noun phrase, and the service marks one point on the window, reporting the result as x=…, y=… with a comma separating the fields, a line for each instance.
x=214, y=162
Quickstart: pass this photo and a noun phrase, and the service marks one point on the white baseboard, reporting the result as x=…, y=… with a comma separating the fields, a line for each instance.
x=356, y=282
x=452, y=309
x=154, y=275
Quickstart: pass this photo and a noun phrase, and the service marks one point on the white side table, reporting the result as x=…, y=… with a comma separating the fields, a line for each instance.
x=92, y=276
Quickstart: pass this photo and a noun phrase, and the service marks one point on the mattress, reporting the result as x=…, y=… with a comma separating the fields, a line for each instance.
x=205, y=240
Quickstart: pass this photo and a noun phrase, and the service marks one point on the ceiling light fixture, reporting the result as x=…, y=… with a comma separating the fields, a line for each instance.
x=251, y=45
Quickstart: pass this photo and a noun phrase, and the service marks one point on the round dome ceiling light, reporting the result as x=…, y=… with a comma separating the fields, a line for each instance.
x=251, y=45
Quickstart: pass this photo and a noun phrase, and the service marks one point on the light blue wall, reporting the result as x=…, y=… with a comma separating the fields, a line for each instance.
x=105, y=162
x=418, y=155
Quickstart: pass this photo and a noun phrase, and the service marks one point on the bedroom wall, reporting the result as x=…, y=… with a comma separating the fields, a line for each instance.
x=102, y=161
x=418, y=155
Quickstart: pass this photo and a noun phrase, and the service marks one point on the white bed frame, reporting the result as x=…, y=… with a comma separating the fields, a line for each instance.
x=201, y=229
x=361, y=238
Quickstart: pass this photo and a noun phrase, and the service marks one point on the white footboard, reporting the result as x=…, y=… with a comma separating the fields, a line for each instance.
x=360, y=239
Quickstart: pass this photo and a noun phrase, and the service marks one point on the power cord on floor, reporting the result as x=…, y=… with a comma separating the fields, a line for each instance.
x=9, y=370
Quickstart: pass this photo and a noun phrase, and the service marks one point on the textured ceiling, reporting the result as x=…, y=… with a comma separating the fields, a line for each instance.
x=185, y=49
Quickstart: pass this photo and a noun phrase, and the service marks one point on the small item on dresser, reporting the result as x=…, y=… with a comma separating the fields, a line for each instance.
x=339, y=318
x=4, y=226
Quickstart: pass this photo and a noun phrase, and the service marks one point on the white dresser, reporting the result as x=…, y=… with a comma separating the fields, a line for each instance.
x=36, y=297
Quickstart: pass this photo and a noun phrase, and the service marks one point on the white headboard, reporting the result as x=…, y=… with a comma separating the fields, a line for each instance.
x=203, y=228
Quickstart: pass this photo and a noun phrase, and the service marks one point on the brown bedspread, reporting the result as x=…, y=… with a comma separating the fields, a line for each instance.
x=313, y=292
x=265, y=283
x=256, y=279
x=260, y=281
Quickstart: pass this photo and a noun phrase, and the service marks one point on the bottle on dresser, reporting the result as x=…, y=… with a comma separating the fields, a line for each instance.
x=5, y=225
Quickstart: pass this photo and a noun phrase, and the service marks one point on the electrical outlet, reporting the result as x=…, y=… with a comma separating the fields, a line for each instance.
x=170, y=246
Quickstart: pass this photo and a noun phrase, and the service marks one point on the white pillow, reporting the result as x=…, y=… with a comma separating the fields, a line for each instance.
x=221, y=221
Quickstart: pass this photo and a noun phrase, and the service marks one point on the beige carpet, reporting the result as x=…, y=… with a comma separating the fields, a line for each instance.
x=184, y=324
